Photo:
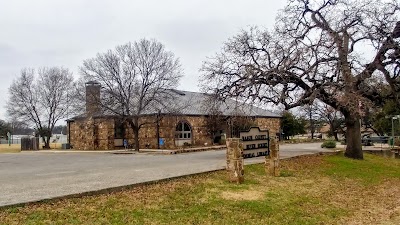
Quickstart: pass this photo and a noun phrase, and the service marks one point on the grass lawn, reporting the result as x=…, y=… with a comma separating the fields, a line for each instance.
x=310, y=190
x=5, y=148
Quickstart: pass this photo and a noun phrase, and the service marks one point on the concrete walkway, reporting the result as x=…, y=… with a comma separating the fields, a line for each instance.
x=34, y=176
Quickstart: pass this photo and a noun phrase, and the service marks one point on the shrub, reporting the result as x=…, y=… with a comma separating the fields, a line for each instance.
x=329, y=144
x=222, y=142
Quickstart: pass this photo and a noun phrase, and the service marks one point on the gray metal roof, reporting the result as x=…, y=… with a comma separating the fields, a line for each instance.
x=195, y=103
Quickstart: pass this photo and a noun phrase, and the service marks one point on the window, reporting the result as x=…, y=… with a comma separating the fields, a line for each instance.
x=183, y=131
x=119, y=129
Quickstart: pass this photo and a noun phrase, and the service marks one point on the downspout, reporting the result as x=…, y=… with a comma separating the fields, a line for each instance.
x=158, y=130
x=69, y=133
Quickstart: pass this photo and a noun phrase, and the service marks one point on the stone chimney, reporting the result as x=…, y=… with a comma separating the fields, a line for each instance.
x=92, y=97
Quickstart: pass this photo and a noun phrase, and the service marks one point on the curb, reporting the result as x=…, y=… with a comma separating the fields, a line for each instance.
x=105, y=190
x=131, y=151
x=196, y=150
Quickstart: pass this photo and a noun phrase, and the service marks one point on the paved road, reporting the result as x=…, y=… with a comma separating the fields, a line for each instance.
x=33, y=176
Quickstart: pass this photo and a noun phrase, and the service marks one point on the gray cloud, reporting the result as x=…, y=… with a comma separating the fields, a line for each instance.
x=65, y=32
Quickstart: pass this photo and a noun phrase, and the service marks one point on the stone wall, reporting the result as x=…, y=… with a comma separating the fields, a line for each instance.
x=167, y=126
x=98, y=133
x=92, y=134
x=271, y=124
x=104, y=136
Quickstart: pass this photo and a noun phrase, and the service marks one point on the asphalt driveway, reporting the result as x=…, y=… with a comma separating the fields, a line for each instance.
x=34, y=176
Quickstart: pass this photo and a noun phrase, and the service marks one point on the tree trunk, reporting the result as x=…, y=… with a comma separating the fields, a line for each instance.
x=136, y=129
x=46, y=142
x=136, y=133
x=335, y=135
x=311, y=124
x=333, y=131
x=353, y=138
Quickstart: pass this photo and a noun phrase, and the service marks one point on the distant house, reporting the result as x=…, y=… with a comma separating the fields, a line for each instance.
x=189, y=126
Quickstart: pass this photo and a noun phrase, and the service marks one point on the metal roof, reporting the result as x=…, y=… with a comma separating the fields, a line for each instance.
x=195, y=103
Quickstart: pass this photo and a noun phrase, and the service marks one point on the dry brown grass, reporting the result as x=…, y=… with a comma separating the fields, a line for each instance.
x=5, y=148
x=311, y=190
x=13, y=148
x=243, y=195
x=365, y=203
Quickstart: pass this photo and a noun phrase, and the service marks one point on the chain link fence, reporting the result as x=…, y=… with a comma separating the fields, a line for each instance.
x=55, y=139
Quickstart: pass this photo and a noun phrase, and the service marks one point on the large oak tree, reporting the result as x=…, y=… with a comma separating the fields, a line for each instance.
x=331, y=50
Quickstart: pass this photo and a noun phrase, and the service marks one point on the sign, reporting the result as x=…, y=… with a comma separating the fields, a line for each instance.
x=161, y=141
x=255, y=142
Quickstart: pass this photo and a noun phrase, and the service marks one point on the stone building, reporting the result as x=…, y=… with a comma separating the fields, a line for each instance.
x=188, y=127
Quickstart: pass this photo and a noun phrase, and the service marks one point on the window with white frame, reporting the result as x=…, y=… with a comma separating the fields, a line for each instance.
x=183, y=131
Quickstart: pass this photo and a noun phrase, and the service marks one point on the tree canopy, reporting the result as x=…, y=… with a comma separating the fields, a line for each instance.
x=291, y=125
x=337, y=51
x=382, y=123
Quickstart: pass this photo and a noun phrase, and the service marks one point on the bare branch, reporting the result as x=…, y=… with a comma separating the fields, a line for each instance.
x=136, y=79
x=41, y=98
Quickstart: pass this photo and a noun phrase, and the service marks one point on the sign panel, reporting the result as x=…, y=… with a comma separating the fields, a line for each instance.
x=255, y=142
x=161, y=141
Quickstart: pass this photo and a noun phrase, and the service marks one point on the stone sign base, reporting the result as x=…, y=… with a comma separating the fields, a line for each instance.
x=235, y=170
x=272, y=161
x=234, y=160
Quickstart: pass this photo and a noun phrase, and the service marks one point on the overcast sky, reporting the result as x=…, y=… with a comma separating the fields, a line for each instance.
x=44, y=33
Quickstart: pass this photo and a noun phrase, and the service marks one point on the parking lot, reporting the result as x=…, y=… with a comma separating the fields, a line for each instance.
x=33, y=176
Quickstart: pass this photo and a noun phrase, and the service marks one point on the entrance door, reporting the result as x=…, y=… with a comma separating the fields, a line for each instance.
x=183, y=134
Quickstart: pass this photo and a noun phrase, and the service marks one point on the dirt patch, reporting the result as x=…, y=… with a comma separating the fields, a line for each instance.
x=243, y=195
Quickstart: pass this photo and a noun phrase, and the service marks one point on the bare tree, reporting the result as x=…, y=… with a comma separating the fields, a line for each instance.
x=230, y=116
x=324, y=49
x=136, y=79
x=19, y=127
x=333, y=118
x=309, y=113
x=215, y=120
x=41, y=98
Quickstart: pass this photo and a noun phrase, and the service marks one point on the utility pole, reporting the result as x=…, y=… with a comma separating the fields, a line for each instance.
x=393, y=117
x=392, y=144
